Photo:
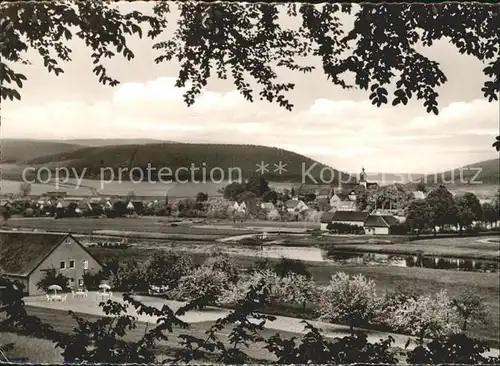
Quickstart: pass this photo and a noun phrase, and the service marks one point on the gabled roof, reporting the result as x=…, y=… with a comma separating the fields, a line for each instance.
x=341, y=196
x=21, y=253
x=323, y=191
x=419, y=195
x=327, y=217
x=95, y=206
x=376, y=221
x=391, y=220
x=83, y=205
x=381, y=221
x=350, y=216
x=293, y=203
x=267, y=205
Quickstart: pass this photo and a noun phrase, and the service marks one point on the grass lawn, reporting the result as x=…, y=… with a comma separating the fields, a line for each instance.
x=37, y=351
x=63, y=322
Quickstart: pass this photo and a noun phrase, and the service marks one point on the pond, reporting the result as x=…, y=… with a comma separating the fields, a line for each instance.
x=414, y=261
x=373, y=259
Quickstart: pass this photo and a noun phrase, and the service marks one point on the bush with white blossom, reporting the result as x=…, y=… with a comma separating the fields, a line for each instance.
x=352, y=300
x=426, y=316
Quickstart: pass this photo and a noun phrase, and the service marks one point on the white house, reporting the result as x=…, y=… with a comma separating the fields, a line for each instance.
x=267, y=206
x=380, y=224
x=296, y=206
x=240, y=207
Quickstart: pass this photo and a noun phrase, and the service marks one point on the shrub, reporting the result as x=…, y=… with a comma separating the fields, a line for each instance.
x=471, y=308
x=53, y=277
x=167, y=268
x=455, y=349
x=315, y=349
x=205, y=286
x=349, y=300
x=299, y=289
x=289, y=289
x=288, y=266
x=426, y=316
x=219, y=261
x=129, y=277
x=340, y=228
x=238, y=291
x=251, y=241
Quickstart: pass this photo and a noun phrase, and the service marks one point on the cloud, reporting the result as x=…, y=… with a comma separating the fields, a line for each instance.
x=343, y=133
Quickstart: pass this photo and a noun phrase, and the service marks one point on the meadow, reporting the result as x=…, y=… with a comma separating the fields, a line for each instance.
x=90, y=187
x=121, y=225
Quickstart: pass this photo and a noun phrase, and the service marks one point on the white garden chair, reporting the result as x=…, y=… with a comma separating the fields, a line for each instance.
x=49, y=298
x=64, y=298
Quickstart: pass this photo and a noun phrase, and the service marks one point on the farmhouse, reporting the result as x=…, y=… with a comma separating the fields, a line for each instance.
x=380, y=224
x=25, y=256
x=419, y=195
x=240, y=207
x=356, y=218
x=296, y=206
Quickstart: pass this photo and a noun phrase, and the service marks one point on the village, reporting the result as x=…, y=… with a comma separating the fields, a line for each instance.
x=359, y=207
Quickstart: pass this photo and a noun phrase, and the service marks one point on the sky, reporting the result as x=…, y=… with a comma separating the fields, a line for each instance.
x=337, y=127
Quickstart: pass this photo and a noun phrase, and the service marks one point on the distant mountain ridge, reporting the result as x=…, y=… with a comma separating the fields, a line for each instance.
x=484, y=172
x=109, y=142
x=21, y=150
x=180, y=156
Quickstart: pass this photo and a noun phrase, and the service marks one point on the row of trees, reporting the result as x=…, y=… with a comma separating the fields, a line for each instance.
x=440, y=208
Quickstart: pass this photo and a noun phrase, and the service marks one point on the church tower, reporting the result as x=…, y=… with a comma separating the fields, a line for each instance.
x=362, y=178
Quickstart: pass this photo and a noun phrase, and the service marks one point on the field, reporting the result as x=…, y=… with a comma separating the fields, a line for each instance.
x=90, y=187
x=144, y=224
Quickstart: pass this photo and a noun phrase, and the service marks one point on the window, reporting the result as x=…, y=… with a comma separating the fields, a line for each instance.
x=80, y=282
x=62, y=265
x=72, y=264
x=85, y=264
x=68, y=241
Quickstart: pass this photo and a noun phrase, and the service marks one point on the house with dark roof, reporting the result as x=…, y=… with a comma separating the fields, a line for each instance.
x=380, y=224
x=26, y=256
x=356, y=218
x=326, y=218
